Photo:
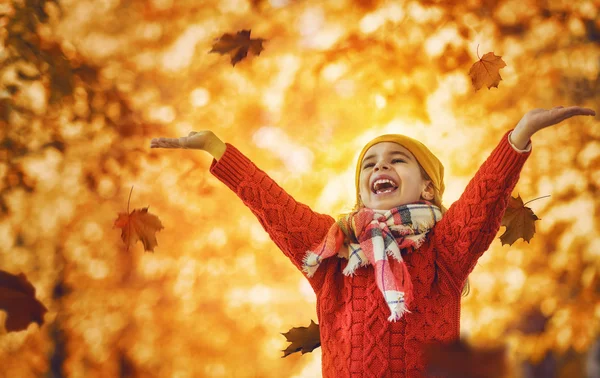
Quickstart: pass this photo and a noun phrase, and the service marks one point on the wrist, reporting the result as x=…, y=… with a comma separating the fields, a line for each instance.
x=215, y=147
x=520, y=136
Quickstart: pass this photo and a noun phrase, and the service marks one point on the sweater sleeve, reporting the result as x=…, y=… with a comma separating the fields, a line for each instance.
x=471, y=223
x=293, y=226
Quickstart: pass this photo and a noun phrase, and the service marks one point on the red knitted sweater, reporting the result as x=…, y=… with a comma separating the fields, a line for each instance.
x=357, y=340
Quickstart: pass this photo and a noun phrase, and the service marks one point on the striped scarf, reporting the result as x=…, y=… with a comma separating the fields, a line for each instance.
x=374, y=235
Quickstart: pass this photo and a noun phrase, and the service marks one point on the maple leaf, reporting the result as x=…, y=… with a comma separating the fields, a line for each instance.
x=518, y=220
x=237, y=45
x=17, y=298
x=459, y=360
x=138, y=225
x=486, y=71
x=304, y=339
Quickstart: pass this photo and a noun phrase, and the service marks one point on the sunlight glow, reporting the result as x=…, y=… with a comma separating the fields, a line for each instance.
x=380, y=101
x=334, y=71
x=182, y=51
x=217, y=237
x=199, y=97
x=279, y=3
x=297, y=159
x=164, y=114
x=316, y=33
x=275, y=95
x=371, y=22
x=436, y=44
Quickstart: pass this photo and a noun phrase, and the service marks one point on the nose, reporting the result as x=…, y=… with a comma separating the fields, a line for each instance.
x=381, y=165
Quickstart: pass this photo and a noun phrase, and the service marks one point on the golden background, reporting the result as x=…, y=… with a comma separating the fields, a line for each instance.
x=216, y=294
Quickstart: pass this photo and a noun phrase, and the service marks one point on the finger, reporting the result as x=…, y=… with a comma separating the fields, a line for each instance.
x=192, y=133
x=587, y=111
x=563, y=113
x=166, y=143
x=154, y=143
x=577, y=110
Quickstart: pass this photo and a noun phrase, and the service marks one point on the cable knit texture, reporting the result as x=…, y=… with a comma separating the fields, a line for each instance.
x=357, y=340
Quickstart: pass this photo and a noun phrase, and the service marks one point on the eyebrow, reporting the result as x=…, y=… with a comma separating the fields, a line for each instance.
x=391, y=153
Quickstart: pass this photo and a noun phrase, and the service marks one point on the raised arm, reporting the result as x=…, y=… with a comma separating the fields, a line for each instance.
x=471, y=223
x=293, y=226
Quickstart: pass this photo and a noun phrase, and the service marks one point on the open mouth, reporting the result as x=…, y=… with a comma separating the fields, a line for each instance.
x=384, y=186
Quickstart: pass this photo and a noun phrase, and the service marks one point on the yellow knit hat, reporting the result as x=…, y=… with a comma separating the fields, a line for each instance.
x=426, y=158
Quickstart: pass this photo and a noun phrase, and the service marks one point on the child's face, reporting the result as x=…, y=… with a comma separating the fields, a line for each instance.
x=400, y=166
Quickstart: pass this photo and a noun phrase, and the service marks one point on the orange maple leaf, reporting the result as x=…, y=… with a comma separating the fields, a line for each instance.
x=519, y=221
x=237, y=45
x=138, y=225
x=17, y=298
x=486, y=71
x=303, y=339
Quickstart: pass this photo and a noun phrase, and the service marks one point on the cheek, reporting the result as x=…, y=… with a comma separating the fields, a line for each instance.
x=362, y=184
x=363, y=188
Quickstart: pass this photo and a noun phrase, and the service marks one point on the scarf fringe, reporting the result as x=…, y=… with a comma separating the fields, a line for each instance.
x=310, y=264
x=418, y=239
x=396, y=255
x=398, y=312
x=349, y=270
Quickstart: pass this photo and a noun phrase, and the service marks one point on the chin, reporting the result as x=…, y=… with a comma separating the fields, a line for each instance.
x=389, y=203
x=385, y=205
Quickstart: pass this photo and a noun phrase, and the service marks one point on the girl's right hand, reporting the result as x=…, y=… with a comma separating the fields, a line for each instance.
x=194, y=140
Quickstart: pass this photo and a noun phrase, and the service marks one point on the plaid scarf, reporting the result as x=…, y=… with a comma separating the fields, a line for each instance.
x=374, y=235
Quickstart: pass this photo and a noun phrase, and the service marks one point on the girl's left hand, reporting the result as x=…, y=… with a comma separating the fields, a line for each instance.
x=537, y=119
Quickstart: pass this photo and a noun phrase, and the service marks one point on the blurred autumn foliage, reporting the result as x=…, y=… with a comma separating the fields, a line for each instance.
x=85, y=84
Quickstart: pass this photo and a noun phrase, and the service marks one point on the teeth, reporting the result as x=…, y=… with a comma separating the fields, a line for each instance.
x=381, y=181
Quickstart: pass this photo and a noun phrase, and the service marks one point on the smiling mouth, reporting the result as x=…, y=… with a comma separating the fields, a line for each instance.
x=385, y=191
x=384, y=186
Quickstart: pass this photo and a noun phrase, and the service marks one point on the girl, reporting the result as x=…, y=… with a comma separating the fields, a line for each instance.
x=387, y=276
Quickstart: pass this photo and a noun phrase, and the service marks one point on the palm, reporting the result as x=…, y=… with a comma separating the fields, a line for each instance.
x=195, y=140
x=538, y=119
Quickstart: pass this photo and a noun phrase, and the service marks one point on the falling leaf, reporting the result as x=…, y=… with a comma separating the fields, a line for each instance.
x=138, y=225
x=459, y=360
x=304, y=339
x=519, y=222
x=237, y=45
x=17, y=298
x=486, y=71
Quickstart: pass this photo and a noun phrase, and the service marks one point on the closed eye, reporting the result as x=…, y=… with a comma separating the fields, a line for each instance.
x=393, y=161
